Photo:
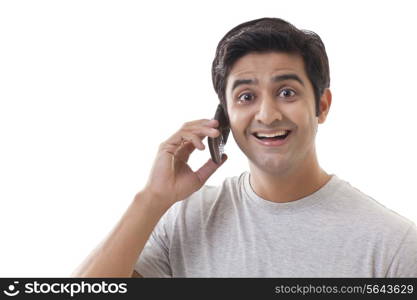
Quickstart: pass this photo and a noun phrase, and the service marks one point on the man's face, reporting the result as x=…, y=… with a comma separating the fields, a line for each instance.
x=267, y=92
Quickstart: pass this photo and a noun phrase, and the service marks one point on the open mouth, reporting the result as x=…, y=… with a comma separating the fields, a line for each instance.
x=282, y=135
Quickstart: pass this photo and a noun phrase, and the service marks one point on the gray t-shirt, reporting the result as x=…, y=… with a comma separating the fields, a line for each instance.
x=229, y=231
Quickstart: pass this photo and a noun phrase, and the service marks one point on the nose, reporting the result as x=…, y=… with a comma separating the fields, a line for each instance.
x=268, y=111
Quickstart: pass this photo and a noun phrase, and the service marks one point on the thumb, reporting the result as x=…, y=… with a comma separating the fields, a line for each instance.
x=208, y=169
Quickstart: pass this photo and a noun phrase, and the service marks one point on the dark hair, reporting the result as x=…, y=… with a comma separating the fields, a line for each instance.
x=271, y=34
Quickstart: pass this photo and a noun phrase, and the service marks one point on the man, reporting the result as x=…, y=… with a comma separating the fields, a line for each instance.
x=285, y=218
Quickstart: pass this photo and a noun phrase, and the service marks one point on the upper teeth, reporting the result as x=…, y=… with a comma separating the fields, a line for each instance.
x=276, y=133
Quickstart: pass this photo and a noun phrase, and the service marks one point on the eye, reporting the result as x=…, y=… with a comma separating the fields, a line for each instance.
x=246, y=97
x=286, y=93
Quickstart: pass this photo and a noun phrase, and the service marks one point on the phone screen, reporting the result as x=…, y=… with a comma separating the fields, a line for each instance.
x=216, y=145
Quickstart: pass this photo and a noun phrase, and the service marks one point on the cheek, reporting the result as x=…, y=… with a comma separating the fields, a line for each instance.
x=303, y=118
x=238, y=121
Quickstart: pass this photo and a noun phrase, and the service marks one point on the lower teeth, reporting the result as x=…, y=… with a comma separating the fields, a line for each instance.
x=274, y=138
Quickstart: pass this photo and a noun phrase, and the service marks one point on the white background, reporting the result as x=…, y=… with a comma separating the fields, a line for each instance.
x=88, y=90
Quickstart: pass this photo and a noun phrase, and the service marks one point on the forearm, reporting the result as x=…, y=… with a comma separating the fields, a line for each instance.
x=117, y=254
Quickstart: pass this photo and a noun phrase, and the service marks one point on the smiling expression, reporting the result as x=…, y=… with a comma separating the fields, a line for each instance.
x=266, y=92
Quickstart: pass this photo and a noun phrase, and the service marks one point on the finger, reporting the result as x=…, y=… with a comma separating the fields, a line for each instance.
x=208, y=169
x=194, y=132
x=202, y=129
x=195, y=136
x=202, y=122
x=196, y=140
x=177, y=140
x=183, y=153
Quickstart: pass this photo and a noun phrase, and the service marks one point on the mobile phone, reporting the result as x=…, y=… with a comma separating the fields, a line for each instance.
x=216, y=145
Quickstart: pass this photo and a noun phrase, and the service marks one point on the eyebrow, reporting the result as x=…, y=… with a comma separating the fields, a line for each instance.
x=277, y=78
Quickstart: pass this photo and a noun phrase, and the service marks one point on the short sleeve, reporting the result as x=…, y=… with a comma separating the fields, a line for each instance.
x=154, y=259
x=404, y=263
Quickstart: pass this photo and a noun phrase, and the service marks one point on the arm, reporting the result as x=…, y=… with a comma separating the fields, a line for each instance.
x=404, y=263
x=171, y=180
x=117, y=254
x=136, y=275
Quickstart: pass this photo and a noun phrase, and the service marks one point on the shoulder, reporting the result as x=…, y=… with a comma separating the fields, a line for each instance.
x=368, y=212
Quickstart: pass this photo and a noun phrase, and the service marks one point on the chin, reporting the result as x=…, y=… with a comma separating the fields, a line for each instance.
x=274, y=166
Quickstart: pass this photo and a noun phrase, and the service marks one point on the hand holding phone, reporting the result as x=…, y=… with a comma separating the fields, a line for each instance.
x=171, y=178
x=216, y=145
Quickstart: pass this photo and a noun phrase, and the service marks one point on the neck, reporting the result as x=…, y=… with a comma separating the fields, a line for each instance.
x=306, y=178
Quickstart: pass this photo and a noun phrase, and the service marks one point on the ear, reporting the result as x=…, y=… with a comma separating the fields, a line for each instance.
x=325, y=102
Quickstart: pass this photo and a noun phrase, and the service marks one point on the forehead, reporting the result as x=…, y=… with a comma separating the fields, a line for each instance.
x=270, y=63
